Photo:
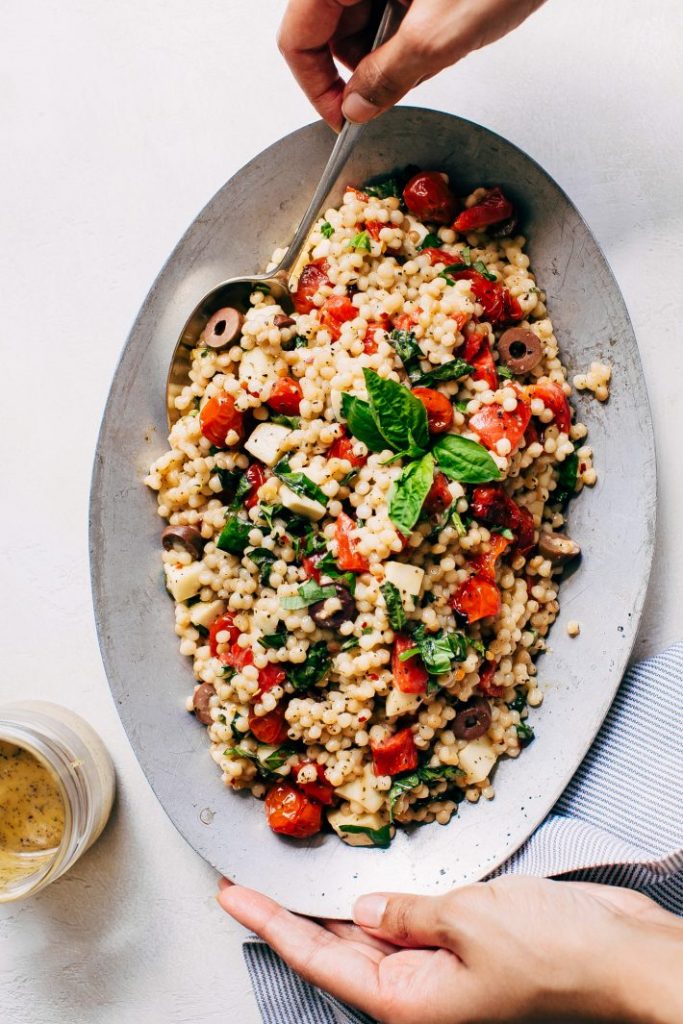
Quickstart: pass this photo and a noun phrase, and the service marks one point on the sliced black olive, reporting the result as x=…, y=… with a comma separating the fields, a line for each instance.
x=282, y=320
x=504, y=229
x=347, y=612
x=201, y=703
x=188, y=536
x=557, y=547
x=473, y=720
x=520, y=349
x=222, y=328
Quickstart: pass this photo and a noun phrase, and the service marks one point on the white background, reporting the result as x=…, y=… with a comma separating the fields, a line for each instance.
x=117, y=122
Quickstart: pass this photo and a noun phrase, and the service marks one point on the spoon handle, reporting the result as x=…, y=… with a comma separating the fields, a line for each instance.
x=346, y=140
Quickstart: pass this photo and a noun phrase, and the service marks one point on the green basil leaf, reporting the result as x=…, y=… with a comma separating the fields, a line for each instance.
x=263, y=288
x=430, y=241
x=518, y=703
x=438, y=650
x=293, y=422
x=385, y=187
x=300, y=341
x=276, y=760
x=504, y=371
x=263, y=559
x=361, y=241
x=352, y=641
x=313, y=544
x=525, y=733
x=504, y=531
x=268, y=512
x=408, y=351
x=361, y=422
x=465, y=460
x=274, y=641
x=326, y=229
x=309, y=592
x=313, y=670
x=299, y=482
x=404, y=783
x=457, y=524
x=234, y=536
x=395, y=609
x=202, y=630
x=453, y=370
x=482, y=269
x=327, y=566
x=409, y=493
x=400, y=417
x=380, y=836
x=567, y=476
x=466, y=255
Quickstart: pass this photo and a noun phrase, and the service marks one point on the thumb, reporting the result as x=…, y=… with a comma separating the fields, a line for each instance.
x=405, y=920
x=384, y=76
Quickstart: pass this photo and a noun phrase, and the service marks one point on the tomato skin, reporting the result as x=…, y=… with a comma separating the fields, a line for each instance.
x=429, y=198
x=439, y=410
x=439, y=497
x=348, y=558
x=311, y=278
x=405, y=321
x=336, y=311
x=477, y=352
x=237, y=657
x=342, y=448
x=310, y=567
x=373, y=228
x=375, y=333
x=320, y=790
x=396, y=754
x=286, y=396
x=439, y=256
x=270, y=728
x=554, y=398
x=486, y=674
x=493, y=208
x=491, y=504
x=499, y=305
x=484, y=564
x=291, y=813
x=361, y=196
x=224, y=623
x=492, y=424
x=409, y=676
x=256, y=475
x=269, y=677
x=217, y=417
x=477, y=598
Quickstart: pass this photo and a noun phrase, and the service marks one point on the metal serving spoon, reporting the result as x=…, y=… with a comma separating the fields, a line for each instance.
x=234, y=294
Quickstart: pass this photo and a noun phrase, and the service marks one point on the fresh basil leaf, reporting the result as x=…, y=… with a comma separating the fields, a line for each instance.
x=525, y=733
x=461, y=407
x=400, y=417
x=309, y=592
x=482, y=269
x=465, y=460
x=361, y=241
x=234, y=536
x=504, y=371
x=276, y=760
x=504, y=531
x=384, y=188
x=361, y=422
x=299, y=482
x=327, y=566
x=352, y=641
x=567, y=476
x=268, y=512
x=274, y=641
x=229, y=478
x=326, y=229
x=518, y=703
x=409, y=492
x=437, y=650
x=466, y=255
x=477, y=645
x=313, y=670
x=237, y=733
x=313, y=544
x=300, y=341
x=457, y=524
x=202, y=630
x=347, y=480
x=395, y=610
x=293, y=422
x=430, y=241
x=404, y=783
x=263, y=288
x=408, y=351
x=380, y=837
x=453, y=370
x=263, y=559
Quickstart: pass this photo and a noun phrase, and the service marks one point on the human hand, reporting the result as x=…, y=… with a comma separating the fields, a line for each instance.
x=514, y=949
x=433, y=35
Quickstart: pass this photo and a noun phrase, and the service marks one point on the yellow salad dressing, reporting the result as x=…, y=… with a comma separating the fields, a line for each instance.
x=31, y=814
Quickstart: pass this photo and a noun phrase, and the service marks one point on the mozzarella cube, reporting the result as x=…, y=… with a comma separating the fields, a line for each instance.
x=203, y=614
x=363, y=791
x=300, y=504
x=477, y=759
x=401, y=703
x=340, y=817
x=183, y=580
x=408, y=580
x=415, y=234
x=257, y=369
x=266, y=443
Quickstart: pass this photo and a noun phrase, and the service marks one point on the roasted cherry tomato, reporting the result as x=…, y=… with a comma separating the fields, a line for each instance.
x=554, y=398
x=348, y=558
x=269, y=677
x=477, y=352
x=485, y=563
x=477, y=598
x=225, y=624
x=493, y=208
x=439, y=409
x=524, y=529
x=492, y=505
x=405, y=321
x=237, y=657
x=337, y=310
x=310, y=566
x=256, y=475
x=311, y=278
x=429, y=198
x=499, y=306
x=439, y=497
x=373, y=228
x=286, y=397
x=217, y=417
x=342, y=448
x=270, y=728
x=486, y=674
x=291, y=813
x=439, y=256
x=492, y=423
x=375, y=333
x=395, y=755
x=320, y=790
x=409, y=676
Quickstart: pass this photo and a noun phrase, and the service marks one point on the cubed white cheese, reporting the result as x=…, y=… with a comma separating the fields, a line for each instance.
x=266, y=443
x=363, y=791
x=401, y=703
x=477, y=759
x=183, y=580
x=340, y=817
x=263, y=314
x=408, y=579
x=300, y=504
x=203, y=614
x=415, y=234
x=257, y=369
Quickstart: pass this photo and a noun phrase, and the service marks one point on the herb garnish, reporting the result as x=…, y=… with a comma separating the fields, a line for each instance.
x=269, y=765
x=274, y=641
x=395, y=609
x=234, y=536
x=313, y=670
x=437, y=650
x=464, y=460
x=380, y=836
x=566, y=480
x=452, y=370
x=309, y=592
x=293, y=422
x=299, y=482
x=430, y=241
x=361, y=241
x=408, y=494
x=404, y=783
x=326, y=229
x=408, y=351
x=263, y=559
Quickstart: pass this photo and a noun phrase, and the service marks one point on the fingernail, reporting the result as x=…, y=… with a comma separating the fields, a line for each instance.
x=357, y=109
x=223, y=883
x=368, y=911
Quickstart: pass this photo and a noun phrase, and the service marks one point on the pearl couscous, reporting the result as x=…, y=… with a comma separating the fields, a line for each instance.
x=365, y=500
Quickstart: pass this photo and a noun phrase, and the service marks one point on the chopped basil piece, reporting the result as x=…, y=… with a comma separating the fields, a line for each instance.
x=478, y=645
x=263, y=559
x=504, y=371
x=361, y=422
x=193, y=600
x=409, y=492
x=234, y=536
x=465, y=460
x=430, y=241
x=437, y=650
x=299, y=482
x=504, y=531
x=525, y=733
x=461, y=407
x=269, y=512
x=204, y=352
x=313, y=544
x=228, y=671
x=380, y=836
x=566, y=480
x=242, y=490
x=395, y=610
x=384, y=188
x=202, y=630
x=313, y=670
x=326, y=229
x=361, y=241
x=457, y=524
x=404, y=783
x=274, y=641
x=269, y=765
x=298, y=341
x=229, y=478
x=453, y=370
x=400, y=417
x=309, y=592
x=408, y=351
x=349, y=478
x=518, y=703
x=293, y=422
x=327, y=566
x=237, y=733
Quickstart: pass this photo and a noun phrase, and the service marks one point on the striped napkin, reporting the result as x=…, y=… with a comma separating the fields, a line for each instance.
x=619, y=822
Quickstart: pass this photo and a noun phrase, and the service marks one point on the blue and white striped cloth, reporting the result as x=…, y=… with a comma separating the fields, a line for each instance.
x=619, y=822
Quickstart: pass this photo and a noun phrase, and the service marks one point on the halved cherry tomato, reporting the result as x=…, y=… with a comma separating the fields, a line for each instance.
x=225, y=624
x=486, y=674
x=342, y=448
x=491, y=504
x=291, y=813
x=375, y=333
x=256, y=475
x=428, y=196
x=270, y=728
x=311, y=278
x=477, y=352
x=492, y=423
x=405, y=321
x=395, y=755
x=310, y=566
x=320, y=789
x=484, y=564
x=218, y=416
x=439, y=410
x=348, y=558
x=439, y=497
x=439, y=256
x=337, y=310
x=477, y=598
x=237, y=657
x=409, y=676
x=498, y=304
x=554, y=398
x=269, y=677
x=286, y=396
x=493, y=208
x=373, y=228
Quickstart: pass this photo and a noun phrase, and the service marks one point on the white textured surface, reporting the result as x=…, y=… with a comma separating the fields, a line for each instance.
x=118, y=121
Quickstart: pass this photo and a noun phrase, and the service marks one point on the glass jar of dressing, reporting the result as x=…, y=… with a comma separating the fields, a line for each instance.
x=56, y=792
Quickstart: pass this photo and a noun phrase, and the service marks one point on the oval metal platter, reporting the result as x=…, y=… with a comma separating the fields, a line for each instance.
x=253, y=213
